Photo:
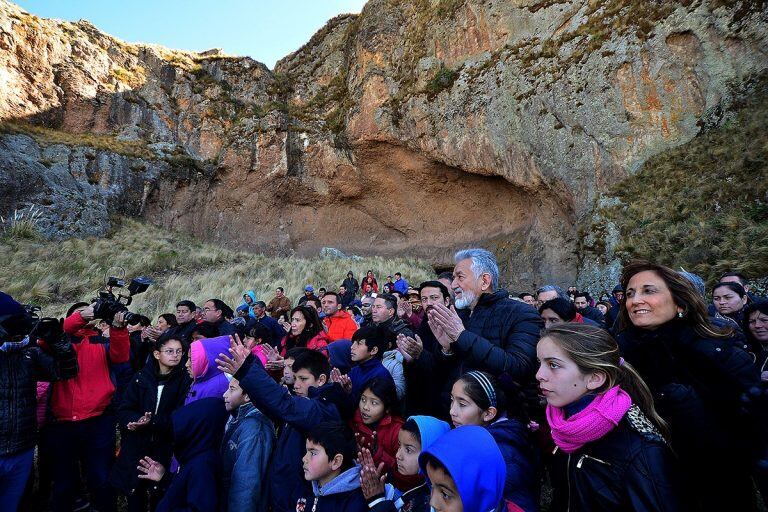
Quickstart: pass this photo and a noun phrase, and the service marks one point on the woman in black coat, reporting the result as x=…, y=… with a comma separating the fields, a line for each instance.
x=144, y=416
x=701, y=381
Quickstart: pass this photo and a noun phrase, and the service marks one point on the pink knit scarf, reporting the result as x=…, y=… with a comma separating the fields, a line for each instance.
x=593, y=422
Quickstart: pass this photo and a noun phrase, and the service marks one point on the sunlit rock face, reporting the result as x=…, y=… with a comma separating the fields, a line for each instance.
x=417, y=127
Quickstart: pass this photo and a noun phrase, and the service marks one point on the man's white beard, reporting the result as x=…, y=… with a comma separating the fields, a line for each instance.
x=465, y=301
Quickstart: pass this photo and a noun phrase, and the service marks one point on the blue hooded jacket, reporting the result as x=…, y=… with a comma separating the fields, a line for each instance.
x=475, y=463
x=245, y=452
x=342, y=494
x=198, y=429
x=430, y=429
x=252, y=295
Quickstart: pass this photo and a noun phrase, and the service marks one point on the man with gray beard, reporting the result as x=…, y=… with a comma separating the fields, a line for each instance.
x=493, y=333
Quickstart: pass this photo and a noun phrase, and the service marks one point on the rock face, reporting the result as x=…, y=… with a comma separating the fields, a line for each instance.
x=418, y=126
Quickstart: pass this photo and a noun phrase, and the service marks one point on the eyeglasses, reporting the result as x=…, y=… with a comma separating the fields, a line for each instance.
x=171, y=352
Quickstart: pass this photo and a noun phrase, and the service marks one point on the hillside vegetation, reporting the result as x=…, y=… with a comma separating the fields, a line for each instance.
x=702, y=206
x=54, y=274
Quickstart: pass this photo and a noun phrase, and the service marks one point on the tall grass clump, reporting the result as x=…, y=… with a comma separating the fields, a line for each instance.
x=23, y=225
x=56, y=274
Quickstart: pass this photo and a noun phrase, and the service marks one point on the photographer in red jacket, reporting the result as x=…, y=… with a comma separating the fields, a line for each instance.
x=83, y=426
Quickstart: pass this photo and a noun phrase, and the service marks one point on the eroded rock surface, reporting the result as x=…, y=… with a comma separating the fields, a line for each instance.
x=416, y=127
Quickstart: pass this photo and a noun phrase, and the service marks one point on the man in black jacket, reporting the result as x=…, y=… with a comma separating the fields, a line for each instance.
x=494, y=333
x=581, y=302
x=22, y=365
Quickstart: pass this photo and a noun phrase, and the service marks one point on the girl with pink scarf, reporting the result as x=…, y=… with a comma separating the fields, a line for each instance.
x=612, y=451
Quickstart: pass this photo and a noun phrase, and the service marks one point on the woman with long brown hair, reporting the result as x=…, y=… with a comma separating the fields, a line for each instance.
x=611, y=449
x=305, y=330
x=698, y=377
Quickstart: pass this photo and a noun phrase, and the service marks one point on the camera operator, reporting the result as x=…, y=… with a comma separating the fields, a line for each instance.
x=22, y=364
x=84, y=423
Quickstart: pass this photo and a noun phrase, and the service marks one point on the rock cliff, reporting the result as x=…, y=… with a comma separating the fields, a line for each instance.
x=418, y=126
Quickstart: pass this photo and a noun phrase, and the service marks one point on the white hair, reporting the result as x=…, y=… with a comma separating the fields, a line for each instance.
x=483, y=262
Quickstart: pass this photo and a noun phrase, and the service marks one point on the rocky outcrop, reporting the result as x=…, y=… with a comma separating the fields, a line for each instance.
x=418, y=126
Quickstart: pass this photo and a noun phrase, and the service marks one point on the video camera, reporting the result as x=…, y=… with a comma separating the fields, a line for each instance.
x=107, y=304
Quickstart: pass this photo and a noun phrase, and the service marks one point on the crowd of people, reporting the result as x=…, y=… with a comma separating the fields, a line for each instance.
x=452, y=395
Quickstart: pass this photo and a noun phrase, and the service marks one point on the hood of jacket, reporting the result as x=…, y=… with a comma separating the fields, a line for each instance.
x=198, y=427
x=480, y=477
x=347, y=481
x=204, y=353
x=430, y=429
x=510, y=431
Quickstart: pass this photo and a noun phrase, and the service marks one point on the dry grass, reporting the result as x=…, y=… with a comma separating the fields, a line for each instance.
x=104, y=142
x=55, y=274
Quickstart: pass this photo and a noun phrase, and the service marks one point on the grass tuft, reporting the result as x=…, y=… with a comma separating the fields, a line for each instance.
x=22, y=226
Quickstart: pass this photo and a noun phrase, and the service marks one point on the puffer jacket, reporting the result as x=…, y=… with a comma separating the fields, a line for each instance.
x=245, y=453
x=701, y=387
x=500, y=337
x=20, y=369
x=154, y=439
x=91, y=392
x=521, y=459
x=629, y=469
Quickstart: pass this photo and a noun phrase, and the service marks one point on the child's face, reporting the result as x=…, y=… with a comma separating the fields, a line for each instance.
x=169, y=354
x=359, y=351
x=288, y=376
x=372, y=409
x=188, y=366
x=464, y=411
x=445, y=497
x=234, y=396
x=305, y=380
x=317, y=466
x=407, y=455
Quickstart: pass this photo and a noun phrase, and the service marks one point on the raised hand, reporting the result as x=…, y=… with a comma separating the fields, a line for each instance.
x=343, y=380
x=150, y=469
x=272, y=353
x=141, y=422
x=372, y=478
x=285, y=325
x=118, y=320
x=437, y=330
x=238, y=352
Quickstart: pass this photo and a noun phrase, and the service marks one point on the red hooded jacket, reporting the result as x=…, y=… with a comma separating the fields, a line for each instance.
x=88, y=394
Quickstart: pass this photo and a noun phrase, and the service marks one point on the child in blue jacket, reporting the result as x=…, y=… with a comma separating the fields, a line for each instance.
x=330, y=466
x=316, y=400
x=247, y=446
x=466, y=471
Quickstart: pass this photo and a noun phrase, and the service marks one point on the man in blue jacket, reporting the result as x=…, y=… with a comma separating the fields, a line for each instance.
x=494, y=333
x=317, y=400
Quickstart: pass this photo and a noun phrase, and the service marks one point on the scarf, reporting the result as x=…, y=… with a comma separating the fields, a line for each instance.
x=590, y=424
